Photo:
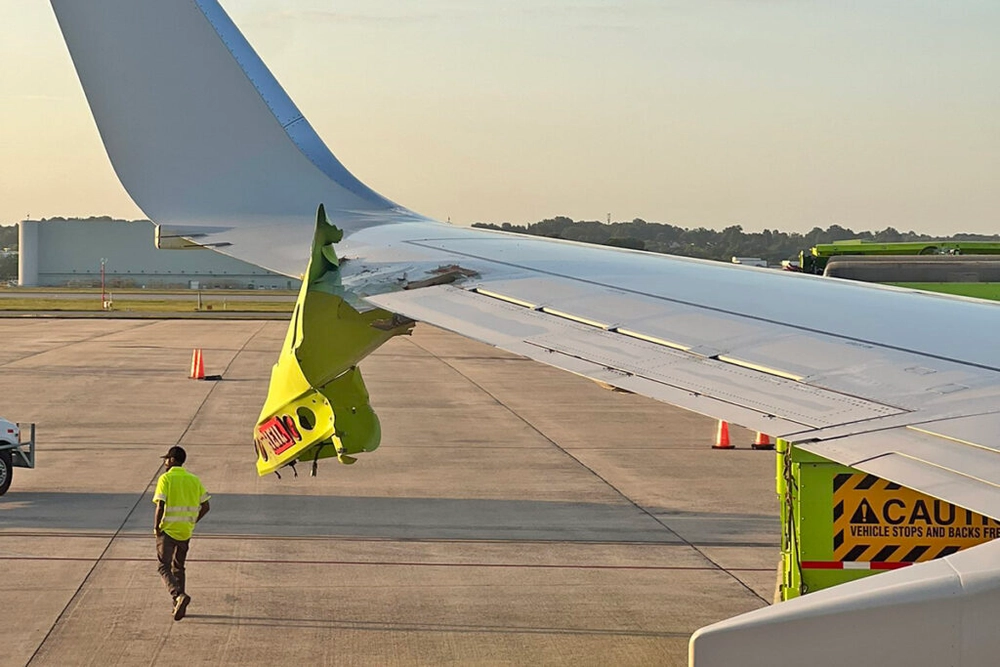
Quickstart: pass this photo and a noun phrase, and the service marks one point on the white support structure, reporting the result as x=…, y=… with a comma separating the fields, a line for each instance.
x=27, y=249
x=943, y=612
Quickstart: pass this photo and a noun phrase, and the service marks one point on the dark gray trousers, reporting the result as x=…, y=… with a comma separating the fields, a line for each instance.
x=172, y=553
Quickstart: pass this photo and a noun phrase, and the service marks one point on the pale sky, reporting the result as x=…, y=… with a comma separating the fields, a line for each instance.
x=766, y=113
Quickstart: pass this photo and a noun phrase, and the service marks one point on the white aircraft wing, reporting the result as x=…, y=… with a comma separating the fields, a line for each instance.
x=900, y=384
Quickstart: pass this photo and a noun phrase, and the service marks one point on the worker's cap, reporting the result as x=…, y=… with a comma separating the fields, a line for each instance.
x=176, y=453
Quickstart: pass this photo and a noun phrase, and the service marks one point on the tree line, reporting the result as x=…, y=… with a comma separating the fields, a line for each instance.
x=8, y=236
x=8, y=265
x=772, y=245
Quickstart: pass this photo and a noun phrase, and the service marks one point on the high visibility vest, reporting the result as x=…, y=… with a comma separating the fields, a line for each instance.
x=182, y=495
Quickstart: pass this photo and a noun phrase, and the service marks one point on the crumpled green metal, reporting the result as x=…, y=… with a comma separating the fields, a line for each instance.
x=317, y=404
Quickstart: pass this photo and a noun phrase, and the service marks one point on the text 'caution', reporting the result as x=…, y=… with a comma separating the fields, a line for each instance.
x=878, y=521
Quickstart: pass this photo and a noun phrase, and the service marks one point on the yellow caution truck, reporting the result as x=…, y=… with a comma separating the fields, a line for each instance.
x=841, y=524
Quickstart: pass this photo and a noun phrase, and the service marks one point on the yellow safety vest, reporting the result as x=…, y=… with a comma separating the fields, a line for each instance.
x=182, y=495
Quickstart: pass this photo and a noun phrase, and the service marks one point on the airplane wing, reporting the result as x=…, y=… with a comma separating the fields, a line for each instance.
x=900, y=384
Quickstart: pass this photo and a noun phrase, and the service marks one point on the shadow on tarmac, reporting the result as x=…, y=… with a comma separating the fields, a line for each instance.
x=291, y=516
x=338, y=624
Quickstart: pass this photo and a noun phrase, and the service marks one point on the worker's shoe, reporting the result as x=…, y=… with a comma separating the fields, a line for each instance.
x=181, y=605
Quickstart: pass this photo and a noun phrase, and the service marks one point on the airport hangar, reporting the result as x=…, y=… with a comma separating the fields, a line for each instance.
x=68, y=253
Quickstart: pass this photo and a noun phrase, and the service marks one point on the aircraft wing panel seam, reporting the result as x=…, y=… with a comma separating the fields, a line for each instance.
x=641, y=341
x=735, y=360
x=293, y=121
x=652, y=339
x=694, y=391
x=583, y=320
x=759, y=367
x=967, y=443
x=850, y=404
x=906, y=419
x=703, y=307
x=930, y=464
x=518, y=328
x=707, y=404
x=861, y=463
x=504, y=298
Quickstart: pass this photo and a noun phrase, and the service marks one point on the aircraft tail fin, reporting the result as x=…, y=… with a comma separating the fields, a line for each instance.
x=197, y=128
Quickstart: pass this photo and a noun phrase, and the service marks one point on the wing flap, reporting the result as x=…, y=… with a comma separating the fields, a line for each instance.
x=751, y=397
x=759, y=391
x=963, y=472
x=955, y=459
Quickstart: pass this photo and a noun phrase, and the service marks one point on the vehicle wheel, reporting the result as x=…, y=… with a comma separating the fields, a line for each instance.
x=6, y=471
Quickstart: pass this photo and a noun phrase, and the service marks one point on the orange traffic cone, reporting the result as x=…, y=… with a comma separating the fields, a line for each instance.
x=762, y=442
x=722, y=437
x=197, y=365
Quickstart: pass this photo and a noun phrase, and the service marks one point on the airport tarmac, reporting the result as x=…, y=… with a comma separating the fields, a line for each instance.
x=514, y=514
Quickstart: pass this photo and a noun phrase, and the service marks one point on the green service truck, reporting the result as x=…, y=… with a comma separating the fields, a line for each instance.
x=814, y=259
x=963, y=268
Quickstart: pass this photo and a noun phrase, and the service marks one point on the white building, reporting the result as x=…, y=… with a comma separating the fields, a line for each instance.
x=69, y=253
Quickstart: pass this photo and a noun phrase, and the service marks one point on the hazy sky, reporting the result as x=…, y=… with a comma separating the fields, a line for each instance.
x=765, y=113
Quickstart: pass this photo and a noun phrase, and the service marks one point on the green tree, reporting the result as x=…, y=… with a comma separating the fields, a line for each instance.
x=8, y=268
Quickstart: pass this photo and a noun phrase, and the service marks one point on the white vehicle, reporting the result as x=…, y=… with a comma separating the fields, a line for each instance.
x=750, y=261
x=16, y=451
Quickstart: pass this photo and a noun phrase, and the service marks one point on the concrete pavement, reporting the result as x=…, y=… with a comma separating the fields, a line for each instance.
x=152, y=295
x=514, y=513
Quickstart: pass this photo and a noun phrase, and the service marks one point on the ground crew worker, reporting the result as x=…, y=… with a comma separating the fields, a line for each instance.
x=181, y=502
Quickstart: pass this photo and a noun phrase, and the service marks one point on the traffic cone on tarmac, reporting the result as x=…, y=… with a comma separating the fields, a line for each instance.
x=722, y=437
x=762, y=442
x=197, y=365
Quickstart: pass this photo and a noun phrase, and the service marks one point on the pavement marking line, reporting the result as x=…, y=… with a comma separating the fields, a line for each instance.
x=138, y=500
x=593, y=472
x=76, y=342
x=451, y=628
x=364, y=563
x=402, y=540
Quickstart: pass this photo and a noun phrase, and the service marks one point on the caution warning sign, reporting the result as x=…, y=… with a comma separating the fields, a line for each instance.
x=881, y=522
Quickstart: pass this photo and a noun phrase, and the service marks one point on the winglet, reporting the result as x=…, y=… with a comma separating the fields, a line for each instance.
x=197, y=128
